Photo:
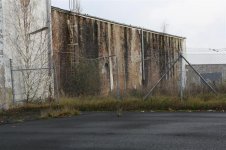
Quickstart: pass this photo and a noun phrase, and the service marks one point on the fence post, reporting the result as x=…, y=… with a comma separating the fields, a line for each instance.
x=118, y=86
x=181, y=78
x=12, y=80
x=55, y=80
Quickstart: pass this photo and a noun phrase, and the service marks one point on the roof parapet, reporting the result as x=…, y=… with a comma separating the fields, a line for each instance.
x=114, y=22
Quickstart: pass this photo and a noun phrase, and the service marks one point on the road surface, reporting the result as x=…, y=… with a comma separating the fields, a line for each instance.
x=133, y=131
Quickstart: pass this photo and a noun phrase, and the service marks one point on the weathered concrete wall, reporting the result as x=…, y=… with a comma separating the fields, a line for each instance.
x=5, y=83
x=215, y=74
x=27, y=49
x=99, y=38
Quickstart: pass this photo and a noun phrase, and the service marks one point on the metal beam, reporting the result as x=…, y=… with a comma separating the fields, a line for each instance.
x=32, y=69
x=181, y=79
x=157, y=83
x=39, y=30
x=210, y=87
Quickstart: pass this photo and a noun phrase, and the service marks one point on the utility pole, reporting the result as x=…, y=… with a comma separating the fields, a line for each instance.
x=12, y=80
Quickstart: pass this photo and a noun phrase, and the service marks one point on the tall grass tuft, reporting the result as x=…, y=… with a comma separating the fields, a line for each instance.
x=61, y=112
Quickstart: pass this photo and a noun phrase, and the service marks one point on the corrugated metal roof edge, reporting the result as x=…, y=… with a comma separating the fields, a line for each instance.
x=113, y=22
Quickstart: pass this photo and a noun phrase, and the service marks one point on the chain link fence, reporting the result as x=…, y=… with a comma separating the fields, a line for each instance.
x=116, y=76
x=211, y=67
x=137, y=76
x=31, y=83
x=86, y=76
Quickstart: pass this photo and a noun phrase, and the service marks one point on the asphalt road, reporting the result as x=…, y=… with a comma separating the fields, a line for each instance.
x=133, y=131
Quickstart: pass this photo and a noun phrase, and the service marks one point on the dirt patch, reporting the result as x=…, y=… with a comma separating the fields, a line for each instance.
x=15, y=116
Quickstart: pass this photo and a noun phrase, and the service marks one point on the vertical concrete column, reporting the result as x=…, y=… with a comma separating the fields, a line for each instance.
x=142, y=57
x=183, y=64
x=110, y=58
x=50, y=49
x=182, y=68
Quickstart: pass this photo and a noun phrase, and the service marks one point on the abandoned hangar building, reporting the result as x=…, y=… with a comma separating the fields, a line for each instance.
x=126, y=57
x=91, y=56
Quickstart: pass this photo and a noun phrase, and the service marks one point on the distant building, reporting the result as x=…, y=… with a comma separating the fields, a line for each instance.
x=210, y=63
x=214, y=74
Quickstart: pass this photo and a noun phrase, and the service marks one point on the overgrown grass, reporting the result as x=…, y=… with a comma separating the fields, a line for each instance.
x=72, y=106
x=36, y=111
x=160, y=103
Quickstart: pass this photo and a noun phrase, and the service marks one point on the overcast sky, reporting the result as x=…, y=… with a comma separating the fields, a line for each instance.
x=202, y=22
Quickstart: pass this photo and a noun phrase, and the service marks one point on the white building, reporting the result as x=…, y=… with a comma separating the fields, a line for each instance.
x=25, y=38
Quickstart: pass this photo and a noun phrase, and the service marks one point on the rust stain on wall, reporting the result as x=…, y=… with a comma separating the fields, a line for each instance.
x=106, y=40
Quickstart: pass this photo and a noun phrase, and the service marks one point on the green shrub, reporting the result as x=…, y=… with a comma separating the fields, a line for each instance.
x=83, y=79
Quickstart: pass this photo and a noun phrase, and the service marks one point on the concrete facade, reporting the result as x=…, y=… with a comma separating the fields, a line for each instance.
x=143, y=55
x=27, y=50
x=5, y=83
x=215, y=74
x=118, y=56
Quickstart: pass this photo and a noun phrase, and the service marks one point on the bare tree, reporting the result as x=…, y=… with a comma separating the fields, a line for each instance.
x=29, y=46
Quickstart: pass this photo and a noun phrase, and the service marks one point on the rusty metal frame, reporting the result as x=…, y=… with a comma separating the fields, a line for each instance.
x=201, y=77
x=157, y=83
x=168, y=70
